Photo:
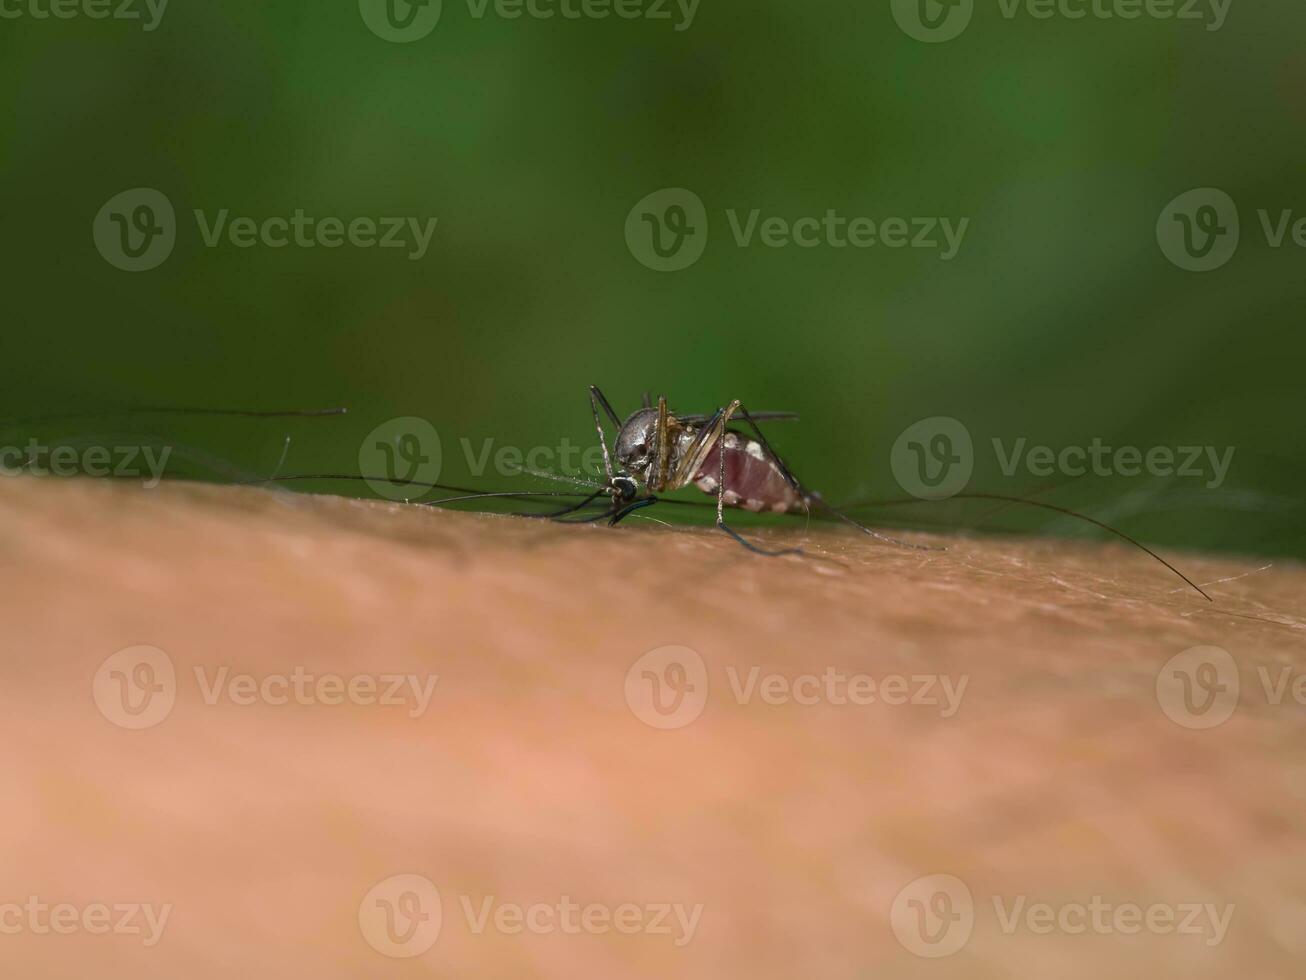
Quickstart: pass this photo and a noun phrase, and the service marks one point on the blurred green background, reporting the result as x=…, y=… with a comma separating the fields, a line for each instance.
x=1059, y=321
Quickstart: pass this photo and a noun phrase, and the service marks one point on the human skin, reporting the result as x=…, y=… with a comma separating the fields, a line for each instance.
x=1058, y=774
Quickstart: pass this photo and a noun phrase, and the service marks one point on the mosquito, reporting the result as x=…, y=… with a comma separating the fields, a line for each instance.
x=655, y=451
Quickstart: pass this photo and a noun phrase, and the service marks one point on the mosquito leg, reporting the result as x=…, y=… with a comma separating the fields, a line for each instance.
x=721, y=496
x=660, y=472
x=814, y=498
x=630, y=508
x=596, y=398
x=775, y=458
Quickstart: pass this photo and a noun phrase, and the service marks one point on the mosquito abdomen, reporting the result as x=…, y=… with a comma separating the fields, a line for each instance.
x=753, y=480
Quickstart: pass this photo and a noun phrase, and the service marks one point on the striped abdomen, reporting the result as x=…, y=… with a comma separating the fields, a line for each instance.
x=753, y=480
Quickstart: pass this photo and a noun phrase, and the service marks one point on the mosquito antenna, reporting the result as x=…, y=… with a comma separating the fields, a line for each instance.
x=466, y=493
x=1055, y=509
x=511, y=494
x=559, y=478
x=172, y=410
x=245, y=413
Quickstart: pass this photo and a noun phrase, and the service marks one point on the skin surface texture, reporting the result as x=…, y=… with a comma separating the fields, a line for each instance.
x=632, y=752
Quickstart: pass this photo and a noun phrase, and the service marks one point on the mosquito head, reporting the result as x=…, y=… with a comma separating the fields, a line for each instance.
x=624, y=488
x=636, y=440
